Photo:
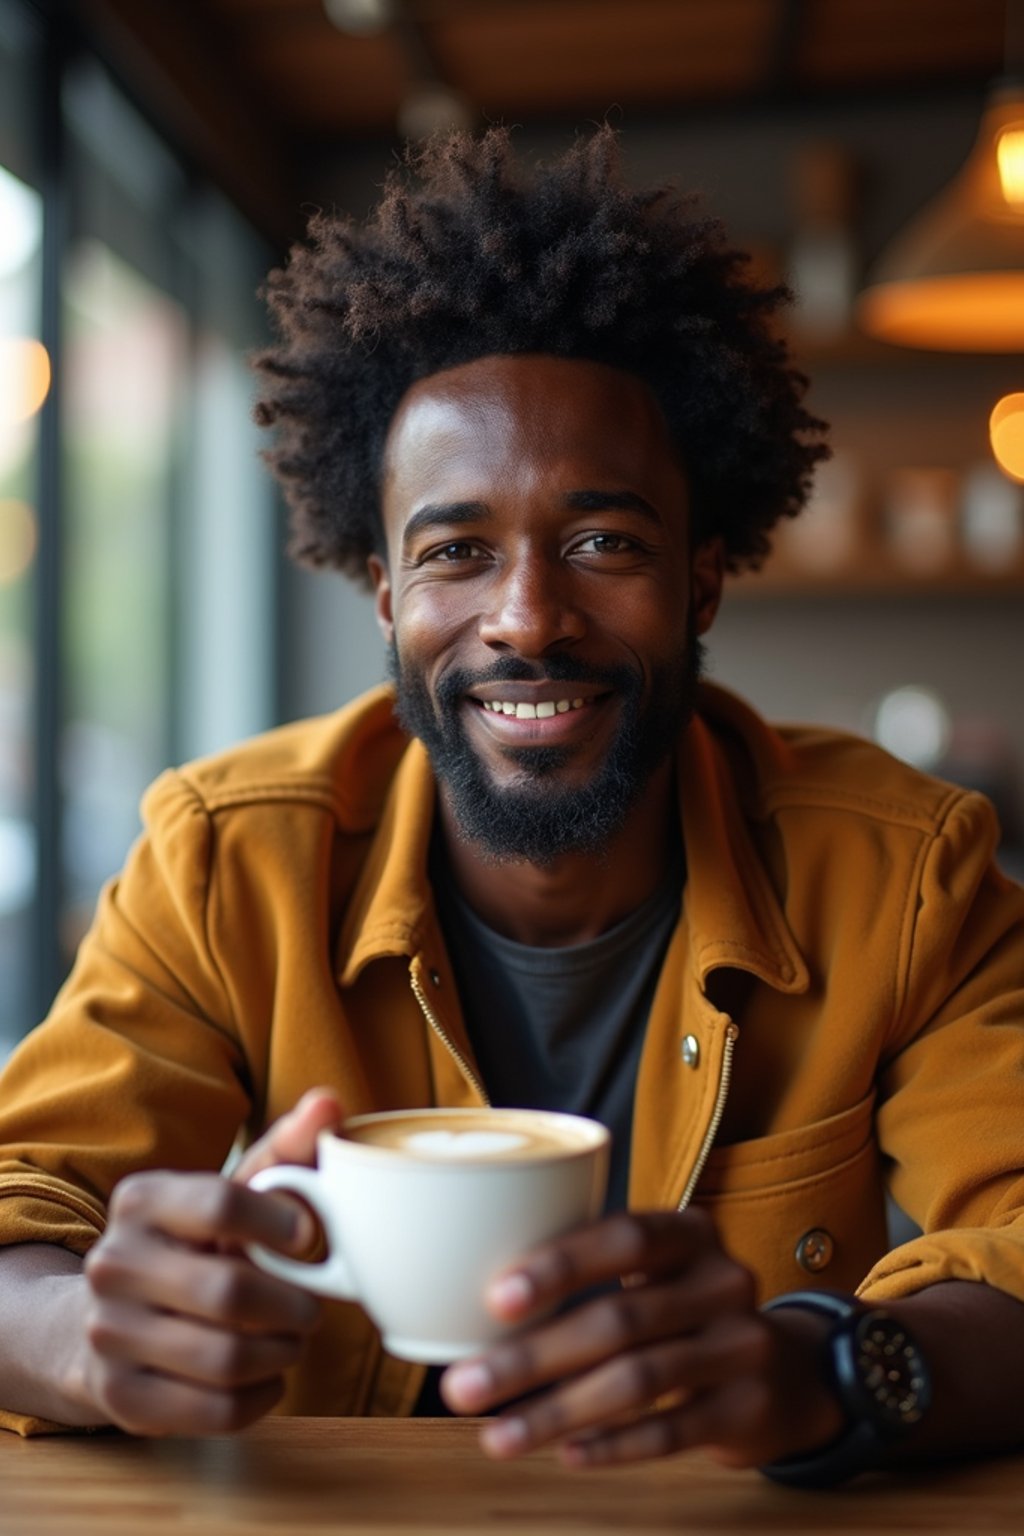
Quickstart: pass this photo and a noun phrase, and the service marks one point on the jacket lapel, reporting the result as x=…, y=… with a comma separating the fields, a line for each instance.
x=731, y=921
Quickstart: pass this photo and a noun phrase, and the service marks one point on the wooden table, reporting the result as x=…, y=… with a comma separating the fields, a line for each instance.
x=287, y=1477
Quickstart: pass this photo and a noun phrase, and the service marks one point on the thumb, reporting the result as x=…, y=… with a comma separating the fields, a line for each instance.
x=292, y=1139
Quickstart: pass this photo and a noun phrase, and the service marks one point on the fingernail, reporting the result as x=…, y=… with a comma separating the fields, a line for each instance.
x=469, y=1384
x=504, y=1437
x=512, y=1293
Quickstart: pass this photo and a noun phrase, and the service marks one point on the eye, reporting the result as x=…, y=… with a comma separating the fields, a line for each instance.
x=456, y=552
x=605, y=544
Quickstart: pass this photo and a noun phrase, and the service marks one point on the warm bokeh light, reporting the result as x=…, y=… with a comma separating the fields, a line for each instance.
x=1006, y=432
x=1010, y=159
x=18, y=539
x=969, y=311
x=24, y=378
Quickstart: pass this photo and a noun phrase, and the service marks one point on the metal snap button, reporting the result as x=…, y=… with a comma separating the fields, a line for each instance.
x=691, y=1050
x=815, y=1249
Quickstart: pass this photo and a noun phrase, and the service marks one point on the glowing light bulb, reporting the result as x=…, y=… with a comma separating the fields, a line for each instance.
x=1006, y=434
x=1010, y=160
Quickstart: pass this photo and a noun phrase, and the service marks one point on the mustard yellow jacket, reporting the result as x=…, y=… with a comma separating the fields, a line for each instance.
x=841, y=1008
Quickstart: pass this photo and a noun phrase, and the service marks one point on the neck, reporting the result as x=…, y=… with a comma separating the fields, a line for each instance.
x=578, y=896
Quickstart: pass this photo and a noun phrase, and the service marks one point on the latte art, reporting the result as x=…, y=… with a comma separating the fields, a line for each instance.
x=456, y=1144
x=474, y=1135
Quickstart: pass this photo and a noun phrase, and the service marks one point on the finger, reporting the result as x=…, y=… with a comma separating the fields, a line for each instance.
x=629, y=1243
x=733, y=1421
x=631, y=1383
x=600, y=1330
x=204, y=1208
x=146, y=1404
x=225, y=1289
x=292, y=1139
x=593, y=1332
x=189, y=1350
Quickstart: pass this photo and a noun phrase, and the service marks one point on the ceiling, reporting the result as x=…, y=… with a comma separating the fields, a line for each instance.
x=275, y=84
x=529, y=58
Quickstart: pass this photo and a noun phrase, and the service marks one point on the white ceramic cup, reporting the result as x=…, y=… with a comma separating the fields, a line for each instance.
x=416, y=1228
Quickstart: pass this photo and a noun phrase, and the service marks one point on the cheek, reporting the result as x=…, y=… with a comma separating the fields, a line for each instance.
x=426, y=624
x=653, y=623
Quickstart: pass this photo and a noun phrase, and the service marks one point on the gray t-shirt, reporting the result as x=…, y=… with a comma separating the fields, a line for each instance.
x=561, y=1028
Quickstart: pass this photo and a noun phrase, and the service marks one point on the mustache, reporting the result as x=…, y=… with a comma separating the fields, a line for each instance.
x=560, y=668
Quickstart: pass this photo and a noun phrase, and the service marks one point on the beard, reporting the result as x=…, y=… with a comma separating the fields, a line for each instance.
x=534, y=818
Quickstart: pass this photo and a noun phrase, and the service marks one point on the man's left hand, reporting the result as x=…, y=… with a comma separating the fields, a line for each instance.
x=674, y=1357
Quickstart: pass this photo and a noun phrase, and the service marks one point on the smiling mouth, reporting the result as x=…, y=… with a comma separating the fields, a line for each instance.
x=541, y=711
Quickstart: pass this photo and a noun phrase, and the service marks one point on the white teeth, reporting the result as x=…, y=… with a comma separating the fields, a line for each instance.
x=542, y=711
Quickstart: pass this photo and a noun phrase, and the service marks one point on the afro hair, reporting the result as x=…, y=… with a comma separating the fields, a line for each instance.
x=471, y=254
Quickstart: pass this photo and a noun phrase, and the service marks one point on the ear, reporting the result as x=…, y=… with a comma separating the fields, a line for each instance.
x=382, y=595
x=707, y=572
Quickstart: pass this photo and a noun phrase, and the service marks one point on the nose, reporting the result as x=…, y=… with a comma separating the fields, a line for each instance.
x=532, y=609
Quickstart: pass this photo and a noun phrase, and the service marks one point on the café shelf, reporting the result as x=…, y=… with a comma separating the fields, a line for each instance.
x=912, y=502
x=873, y=577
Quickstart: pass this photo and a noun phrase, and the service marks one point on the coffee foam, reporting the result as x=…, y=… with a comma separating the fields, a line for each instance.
x=459, y=1144
x=471, y=1135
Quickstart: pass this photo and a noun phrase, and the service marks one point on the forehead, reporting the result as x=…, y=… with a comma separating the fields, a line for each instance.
x=504, y=421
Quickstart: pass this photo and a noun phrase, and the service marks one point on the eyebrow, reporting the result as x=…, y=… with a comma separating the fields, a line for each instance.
x=449, y=514
x=444, y=514
x=615, y=501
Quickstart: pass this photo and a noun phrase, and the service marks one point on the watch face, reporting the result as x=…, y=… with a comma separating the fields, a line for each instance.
x=889, y=1372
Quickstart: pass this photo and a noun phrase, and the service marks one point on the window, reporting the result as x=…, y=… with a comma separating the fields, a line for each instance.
x=24, y=383
x=138, y=534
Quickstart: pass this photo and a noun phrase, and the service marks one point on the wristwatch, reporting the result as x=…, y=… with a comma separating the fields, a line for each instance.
x=879, y=1375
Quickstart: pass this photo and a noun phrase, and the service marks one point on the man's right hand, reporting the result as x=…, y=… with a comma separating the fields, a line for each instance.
x=182, y=1334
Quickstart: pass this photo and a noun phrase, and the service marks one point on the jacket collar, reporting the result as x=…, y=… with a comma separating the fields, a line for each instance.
x=734, y=915
x=392, y=903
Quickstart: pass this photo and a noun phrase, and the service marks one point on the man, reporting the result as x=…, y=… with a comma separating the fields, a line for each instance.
x=542, y=415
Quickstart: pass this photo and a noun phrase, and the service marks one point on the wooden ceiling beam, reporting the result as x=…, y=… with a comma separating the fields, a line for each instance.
x=782, y=60
x=169, y=60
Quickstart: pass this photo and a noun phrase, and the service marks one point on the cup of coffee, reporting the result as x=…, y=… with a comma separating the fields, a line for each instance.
x=421, y=1207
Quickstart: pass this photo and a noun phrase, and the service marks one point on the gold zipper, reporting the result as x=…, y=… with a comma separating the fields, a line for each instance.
x=437, y=1027
x=731, y=1035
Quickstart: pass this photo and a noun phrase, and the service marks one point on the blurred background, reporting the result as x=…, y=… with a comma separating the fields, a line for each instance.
x=157, y=158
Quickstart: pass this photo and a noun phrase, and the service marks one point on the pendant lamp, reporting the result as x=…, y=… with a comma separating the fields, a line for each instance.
x=954, y=279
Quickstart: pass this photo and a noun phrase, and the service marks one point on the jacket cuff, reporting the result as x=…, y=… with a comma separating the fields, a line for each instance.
x=36, y=1208
x=990, y=1256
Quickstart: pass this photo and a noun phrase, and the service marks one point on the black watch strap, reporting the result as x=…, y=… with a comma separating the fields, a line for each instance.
x=879, y=1377
x=856, y=1450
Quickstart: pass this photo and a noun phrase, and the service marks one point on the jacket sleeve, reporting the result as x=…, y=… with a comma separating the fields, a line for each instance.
x=951, y=1117
x=138, y=1065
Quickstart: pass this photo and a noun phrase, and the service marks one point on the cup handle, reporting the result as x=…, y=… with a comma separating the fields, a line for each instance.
x=328, y=1277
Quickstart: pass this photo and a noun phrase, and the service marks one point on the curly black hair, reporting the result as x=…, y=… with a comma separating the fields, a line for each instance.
x=471, y=254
